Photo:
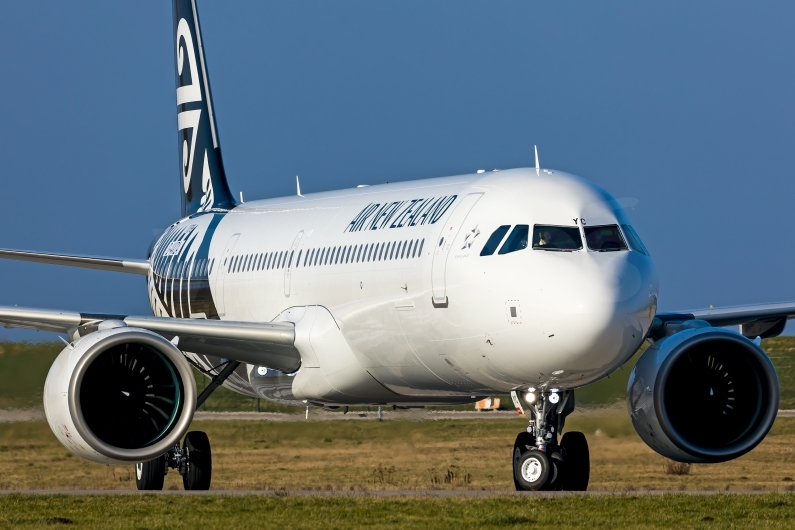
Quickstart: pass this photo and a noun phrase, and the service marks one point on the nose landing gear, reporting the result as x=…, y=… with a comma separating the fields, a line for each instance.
x=539, y=461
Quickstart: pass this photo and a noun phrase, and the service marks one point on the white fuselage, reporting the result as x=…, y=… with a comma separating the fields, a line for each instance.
x=437, y=319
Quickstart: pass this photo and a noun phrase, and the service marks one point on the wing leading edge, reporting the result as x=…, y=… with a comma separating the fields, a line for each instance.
x=131, y=266
x=757, y=320
x=266, y=344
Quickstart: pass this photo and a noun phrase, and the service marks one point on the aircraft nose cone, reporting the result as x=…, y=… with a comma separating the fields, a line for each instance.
x=597, y=311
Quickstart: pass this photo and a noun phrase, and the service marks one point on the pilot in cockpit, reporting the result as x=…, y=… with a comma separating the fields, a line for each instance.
x=545, y=238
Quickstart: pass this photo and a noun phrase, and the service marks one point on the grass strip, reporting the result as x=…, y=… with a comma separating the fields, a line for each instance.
x=773, y=510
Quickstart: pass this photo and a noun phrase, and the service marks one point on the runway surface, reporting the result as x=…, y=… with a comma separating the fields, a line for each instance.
x=10, y=416
x=378, y=494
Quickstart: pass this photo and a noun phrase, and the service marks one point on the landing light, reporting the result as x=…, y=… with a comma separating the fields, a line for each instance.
x=530, y=398
x=554, y=398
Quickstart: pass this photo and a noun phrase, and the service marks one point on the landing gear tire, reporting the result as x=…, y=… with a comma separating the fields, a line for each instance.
x=520, y=446
x=577, y=461
x=199, y=463
x=532, y=470
x=149, y=476
x=556, y=473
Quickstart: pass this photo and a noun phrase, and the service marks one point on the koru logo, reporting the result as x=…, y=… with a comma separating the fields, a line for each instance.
x=469, y=238
x=189, y=119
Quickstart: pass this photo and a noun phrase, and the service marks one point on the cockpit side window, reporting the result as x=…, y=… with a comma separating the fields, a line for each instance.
x=604, y=238
x=634, y=240
x=560, y=238
x=517, y=240
x=494, y=240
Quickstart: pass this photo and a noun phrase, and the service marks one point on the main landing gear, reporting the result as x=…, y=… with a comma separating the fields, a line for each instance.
x=193, y=459
x=539, y=461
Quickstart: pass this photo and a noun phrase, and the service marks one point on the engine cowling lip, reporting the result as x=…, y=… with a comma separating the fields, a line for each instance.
x=126, y=335
x=767, y=416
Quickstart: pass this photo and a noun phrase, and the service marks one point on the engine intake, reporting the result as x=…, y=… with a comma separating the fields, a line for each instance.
x=703, y=395
x=120, y=395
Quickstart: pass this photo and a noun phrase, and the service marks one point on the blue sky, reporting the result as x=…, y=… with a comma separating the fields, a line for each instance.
x=687, y=107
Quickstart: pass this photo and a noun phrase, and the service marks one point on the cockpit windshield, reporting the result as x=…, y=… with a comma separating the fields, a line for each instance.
x=604, y=238
x=634, y=239
x=561, y=238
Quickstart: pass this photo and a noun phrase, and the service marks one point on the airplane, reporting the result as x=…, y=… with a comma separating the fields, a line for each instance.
x=530, y=282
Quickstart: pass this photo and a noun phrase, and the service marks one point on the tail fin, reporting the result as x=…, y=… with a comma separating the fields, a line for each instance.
x=201, y=167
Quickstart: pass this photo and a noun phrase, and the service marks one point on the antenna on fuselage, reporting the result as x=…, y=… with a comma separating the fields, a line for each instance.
x=297, y=187
x=538, y=166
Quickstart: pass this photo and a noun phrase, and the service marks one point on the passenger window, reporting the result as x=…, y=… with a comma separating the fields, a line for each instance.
x=494, y=240
x=634, y=240
x=517, y=240
x=380, y=251
x=422, y=244
x=290, y=263
x=561, y=238
x=604, y=238
x=298, y=261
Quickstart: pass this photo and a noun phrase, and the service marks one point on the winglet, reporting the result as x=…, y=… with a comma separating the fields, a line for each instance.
x=298, y=187
x=538, y=166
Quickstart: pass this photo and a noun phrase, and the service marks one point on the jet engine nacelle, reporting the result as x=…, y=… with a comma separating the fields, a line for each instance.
x=120, y=395
x=703, y=395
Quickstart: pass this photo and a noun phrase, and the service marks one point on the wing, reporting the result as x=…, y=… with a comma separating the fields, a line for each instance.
x=132, y=266
x=268, y=344
x=759, y=320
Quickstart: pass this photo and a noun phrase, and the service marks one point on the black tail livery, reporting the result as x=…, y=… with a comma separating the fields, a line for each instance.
x=203, y=180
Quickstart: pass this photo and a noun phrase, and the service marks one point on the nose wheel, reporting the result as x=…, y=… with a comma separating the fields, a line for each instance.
x=531, y=470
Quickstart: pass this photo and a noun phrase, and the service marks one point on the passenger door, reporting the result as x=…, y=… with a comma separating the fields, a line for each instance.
x=223, y=266
x=292, y=261
x=444, y=243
